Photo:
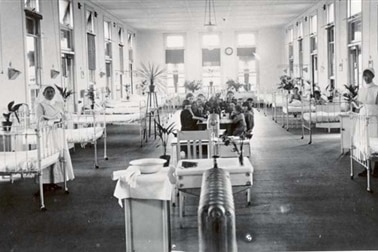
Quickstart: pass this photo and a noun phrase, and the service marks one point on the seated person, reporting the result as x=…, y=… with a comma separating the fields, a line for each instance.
x=295, y=97
x=318, y=98
x=189, y=97
x=187, y=117
x=196, y=109
x=249, y=116
x=238, y=121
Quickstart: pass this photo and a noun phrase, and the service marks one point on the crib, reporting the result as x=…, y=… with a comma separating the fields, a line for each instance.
x=29, y=149
x=325, y=116
x=292, y=112
x=87, y=127
x=278, y=98
x=364, y=143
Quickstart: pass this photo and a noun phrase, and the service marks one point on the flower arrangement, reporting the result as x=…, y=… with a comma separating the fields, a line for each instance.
x=91, y=96
x=12, y=109
x=237, y=143
x=233, y=84
x=193, y=86
x=286, y=83
x=163, y=133
x=64, y=92
x=351, y=93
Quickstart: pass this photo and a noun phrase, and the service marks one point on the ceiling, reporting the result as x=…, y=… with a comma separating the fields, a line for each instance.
x=178, y=15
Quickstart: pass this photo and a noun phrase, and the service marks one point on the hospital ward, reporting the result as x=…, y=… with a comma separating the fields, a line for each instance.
x=189, y=125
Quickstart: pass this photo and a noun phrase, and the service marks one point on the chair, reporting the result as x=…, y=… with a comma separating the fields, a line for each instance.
x=193, y=141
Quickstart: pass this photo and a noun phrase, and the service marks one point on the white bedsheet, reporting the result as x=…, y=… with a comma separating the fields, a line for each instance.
x=84, y=135
x=322, y=117
x=24, y=161
x=113, y=118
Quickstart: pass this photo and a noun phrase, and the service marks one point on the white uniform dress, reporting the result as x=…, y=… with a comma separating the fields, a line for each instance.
x=367, y=95
x=55, y=173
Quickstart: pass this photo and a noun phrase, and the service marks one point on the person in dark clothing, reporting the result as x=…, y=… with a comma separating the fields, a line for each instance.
x=249, y=116
x=187, y=117
x=238, y=121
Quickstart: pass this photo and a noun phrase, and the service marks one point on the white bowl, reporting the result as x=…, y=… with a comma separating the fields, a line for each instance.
x=148, y=165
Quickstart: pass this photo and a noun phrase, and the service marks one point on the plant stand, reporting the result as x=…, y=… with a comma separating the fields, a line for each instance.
x=152, y=112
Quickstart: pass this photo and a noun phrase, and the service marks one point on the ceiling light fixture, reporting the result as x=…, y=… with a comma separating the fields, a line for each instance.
x=210, y=21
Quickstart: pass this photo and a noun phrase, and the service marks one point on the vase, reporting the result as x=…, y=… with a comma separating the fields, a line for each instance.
x=152, y=88
x=6, y=125
x=167, y=158
x=241, y=159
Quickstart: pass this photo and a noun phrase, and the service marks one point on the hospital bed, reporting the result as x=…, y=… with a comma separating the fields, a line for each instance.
x=364, y=143
x=30, y=149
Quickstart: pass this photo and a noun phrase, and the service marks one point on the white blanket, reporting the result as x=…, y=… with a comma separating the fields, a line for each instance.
x=322, y=117
x=114, y=118
x=84, y=135
x=25, y=161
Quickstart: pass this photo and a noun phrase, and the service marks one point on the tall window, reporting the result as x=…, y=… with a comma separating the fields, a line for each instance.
x=330, y=29
x=300, y=47
x=91, y=44
x=130, y=44
x=124, y=88
x=108, y=56
x=32, y=5
x=291, y=52
x=211, y=75
x=354, y=42
x=247, y=63
x=67, y=48
x=314, y=49
x=33, y=53
x=175, y=62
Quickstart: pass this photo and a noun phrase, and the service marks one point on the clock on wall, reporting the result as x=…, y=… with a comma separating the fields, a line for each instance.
x=228, y=50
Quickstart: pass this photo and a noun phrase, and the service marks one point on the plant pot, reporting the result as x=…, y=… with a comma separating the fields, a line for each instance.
x=6, y=125
x=152, y=88
x=167, y=158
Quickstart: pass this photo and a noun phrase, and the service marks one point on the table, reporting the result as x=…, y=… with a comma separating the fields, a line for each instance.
x=240, y=175
x=191, y=178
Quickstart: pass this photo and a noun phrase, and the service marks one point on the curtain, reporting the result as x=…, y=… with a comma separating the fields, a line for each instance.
x=174, y=56
x=91, y=51
x=211, y=57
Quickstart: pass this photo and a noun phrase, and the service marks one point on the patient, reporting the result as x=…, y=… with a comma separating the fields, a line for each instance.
x=238, y=121
x=318, y=98
x=295, y=97
x=188, y=119
x=50, y=107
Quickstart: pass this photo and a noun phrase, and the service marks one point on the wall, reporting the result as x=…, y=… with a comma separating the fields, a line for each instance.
x=369, y=39
x=150, y=47
x=13, y=39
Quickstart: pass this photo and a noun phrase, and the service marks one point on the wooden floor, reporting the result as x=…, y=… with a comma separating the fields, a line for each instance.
x=302, y=199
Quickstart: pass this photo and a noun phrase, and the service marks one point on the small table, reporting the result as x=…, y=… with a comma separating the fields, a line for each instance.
x=146, y=207
x=241, y=175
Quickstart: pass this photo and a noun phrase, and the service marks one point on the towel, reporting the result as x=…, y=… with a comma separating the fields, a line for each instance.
x=132, y=184
x=126, y=178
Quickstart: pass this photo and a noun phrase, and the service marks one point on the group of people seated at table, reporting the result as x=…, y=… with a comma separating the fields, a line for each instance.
x=197, y=109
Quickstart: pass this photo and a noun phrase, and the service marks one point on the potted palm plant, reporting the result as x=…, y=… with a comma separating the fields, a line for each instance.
x=193, y=86
x=152, y=74
x=163, y=133
x=12, y=110
x=64, y=92
x=233, y=84
x=91, y=96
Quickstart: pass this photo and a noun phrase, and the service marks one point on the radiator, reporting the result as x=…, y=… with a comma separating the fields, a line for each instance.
x=216, y=214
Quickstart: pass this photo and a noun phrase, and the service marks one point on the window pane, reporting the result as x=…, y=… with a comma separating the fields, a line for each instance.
x=65, y=39
x=246, y=39
x=330, y=13
x=354, y=7
x=314, y=24
x=355, y=29
x=65, y=10
x=291, y=35
x=300, y=30
x=107, y=30
x=32, y=4
x=210, y=40
x=174, y=41
x=89, y=18
x=31, y=54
